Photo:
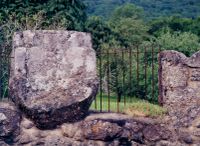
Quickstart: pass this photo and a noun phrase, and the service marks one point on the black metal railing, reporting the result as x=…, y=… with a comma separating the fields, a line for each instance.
x=125, y=75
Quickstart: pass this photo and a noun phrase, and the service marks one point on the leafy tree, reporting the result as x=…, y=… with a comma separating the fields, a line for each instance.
x=169, y=23
x=131, y=31
x=100, y=31
x=153, y=8
x=127, y=22
x=127, y=11
x=68, y=13
x=194, y=26
x=185, y=42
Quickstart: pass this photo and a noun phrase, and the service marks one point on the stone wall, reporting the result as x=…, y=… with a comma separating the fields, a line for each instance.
x=180, y=93
x=53, y=83
x=97, y=129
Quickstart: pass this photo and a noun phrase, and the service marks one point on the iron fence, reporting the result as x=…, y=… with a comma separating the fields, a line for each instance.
x=126, y=75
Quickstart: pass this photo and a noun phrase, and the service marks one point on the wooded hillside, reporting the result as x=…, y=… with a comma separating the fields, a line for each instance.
x=152, y=8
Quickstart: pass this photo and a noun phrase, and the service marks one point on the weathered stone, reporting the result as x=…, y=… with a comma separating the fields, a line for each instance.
x=138, y=137
x=2, y=143
x=79, y=135
x=179, y=90
x=186, y=138
x=135, y=127
x=194, y=60
x=152, y=133
x=64, y=141
x=180, y=84
x=168, y=143
x=135, y=144
x=98, y=129
x=9, y=122
x=196, y=133
x=69, y=130
x=101, y=130
x=179, y=76
x=25, y=139
x=27, y=124
x=59, y=141
x=196, y=123
x=53, y=78
x=93, y=143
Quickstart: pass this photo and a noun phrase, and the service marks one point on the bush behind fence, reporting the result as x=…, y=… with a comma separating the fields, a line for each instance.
x=4, y=75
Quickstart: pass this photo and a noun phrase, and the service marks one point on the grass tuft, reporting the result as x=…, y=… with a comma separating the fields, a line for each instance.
x=145, y=109
x=133, y=106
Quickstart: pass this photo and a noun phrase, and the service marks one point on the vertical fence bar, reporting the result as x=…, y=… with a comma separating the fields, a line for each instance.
x=153, y=84
x=4, y=79
x=130, y=73
x=100, y=71
x=123, y=78
x=6, y=76
x=9, y=72
x=1, y=56
x=95, y=100
x=160, y=97
x=145, y=71
x=138, y=73
x=108, y=78
x=137, y=55
x=117, y=80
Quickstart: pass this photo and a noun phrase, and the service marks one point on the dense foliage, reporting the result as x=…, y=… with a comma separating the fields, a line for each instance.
x=66, y=13
x=152, y=8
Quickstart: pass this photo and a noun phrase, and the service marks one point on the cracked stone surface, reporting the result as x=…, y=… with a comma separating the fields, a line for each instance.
x=53, y=78
x=180, y=91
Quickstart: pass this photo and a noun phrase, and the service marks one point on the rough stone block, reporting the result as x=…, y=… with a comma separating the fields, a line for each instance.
x=180, y=91
x=53, y=77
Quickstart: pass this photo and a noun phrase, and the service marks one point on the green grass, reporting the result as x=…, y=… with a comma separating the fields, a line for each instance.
x=145, y=109
x=132, y=107
x=113, y=103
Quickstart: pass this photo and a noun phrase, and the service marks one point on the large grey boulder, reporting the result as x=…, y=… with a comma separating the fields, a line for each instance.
x=53, y=77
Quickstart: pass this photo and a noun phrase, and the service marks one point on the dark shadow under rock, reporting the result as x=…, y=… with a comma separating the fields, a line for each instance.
x=9, y=122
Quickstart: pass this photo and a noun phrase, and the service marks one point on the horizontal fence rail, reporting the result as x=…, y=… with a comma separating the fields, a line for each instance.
x=126, y=75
